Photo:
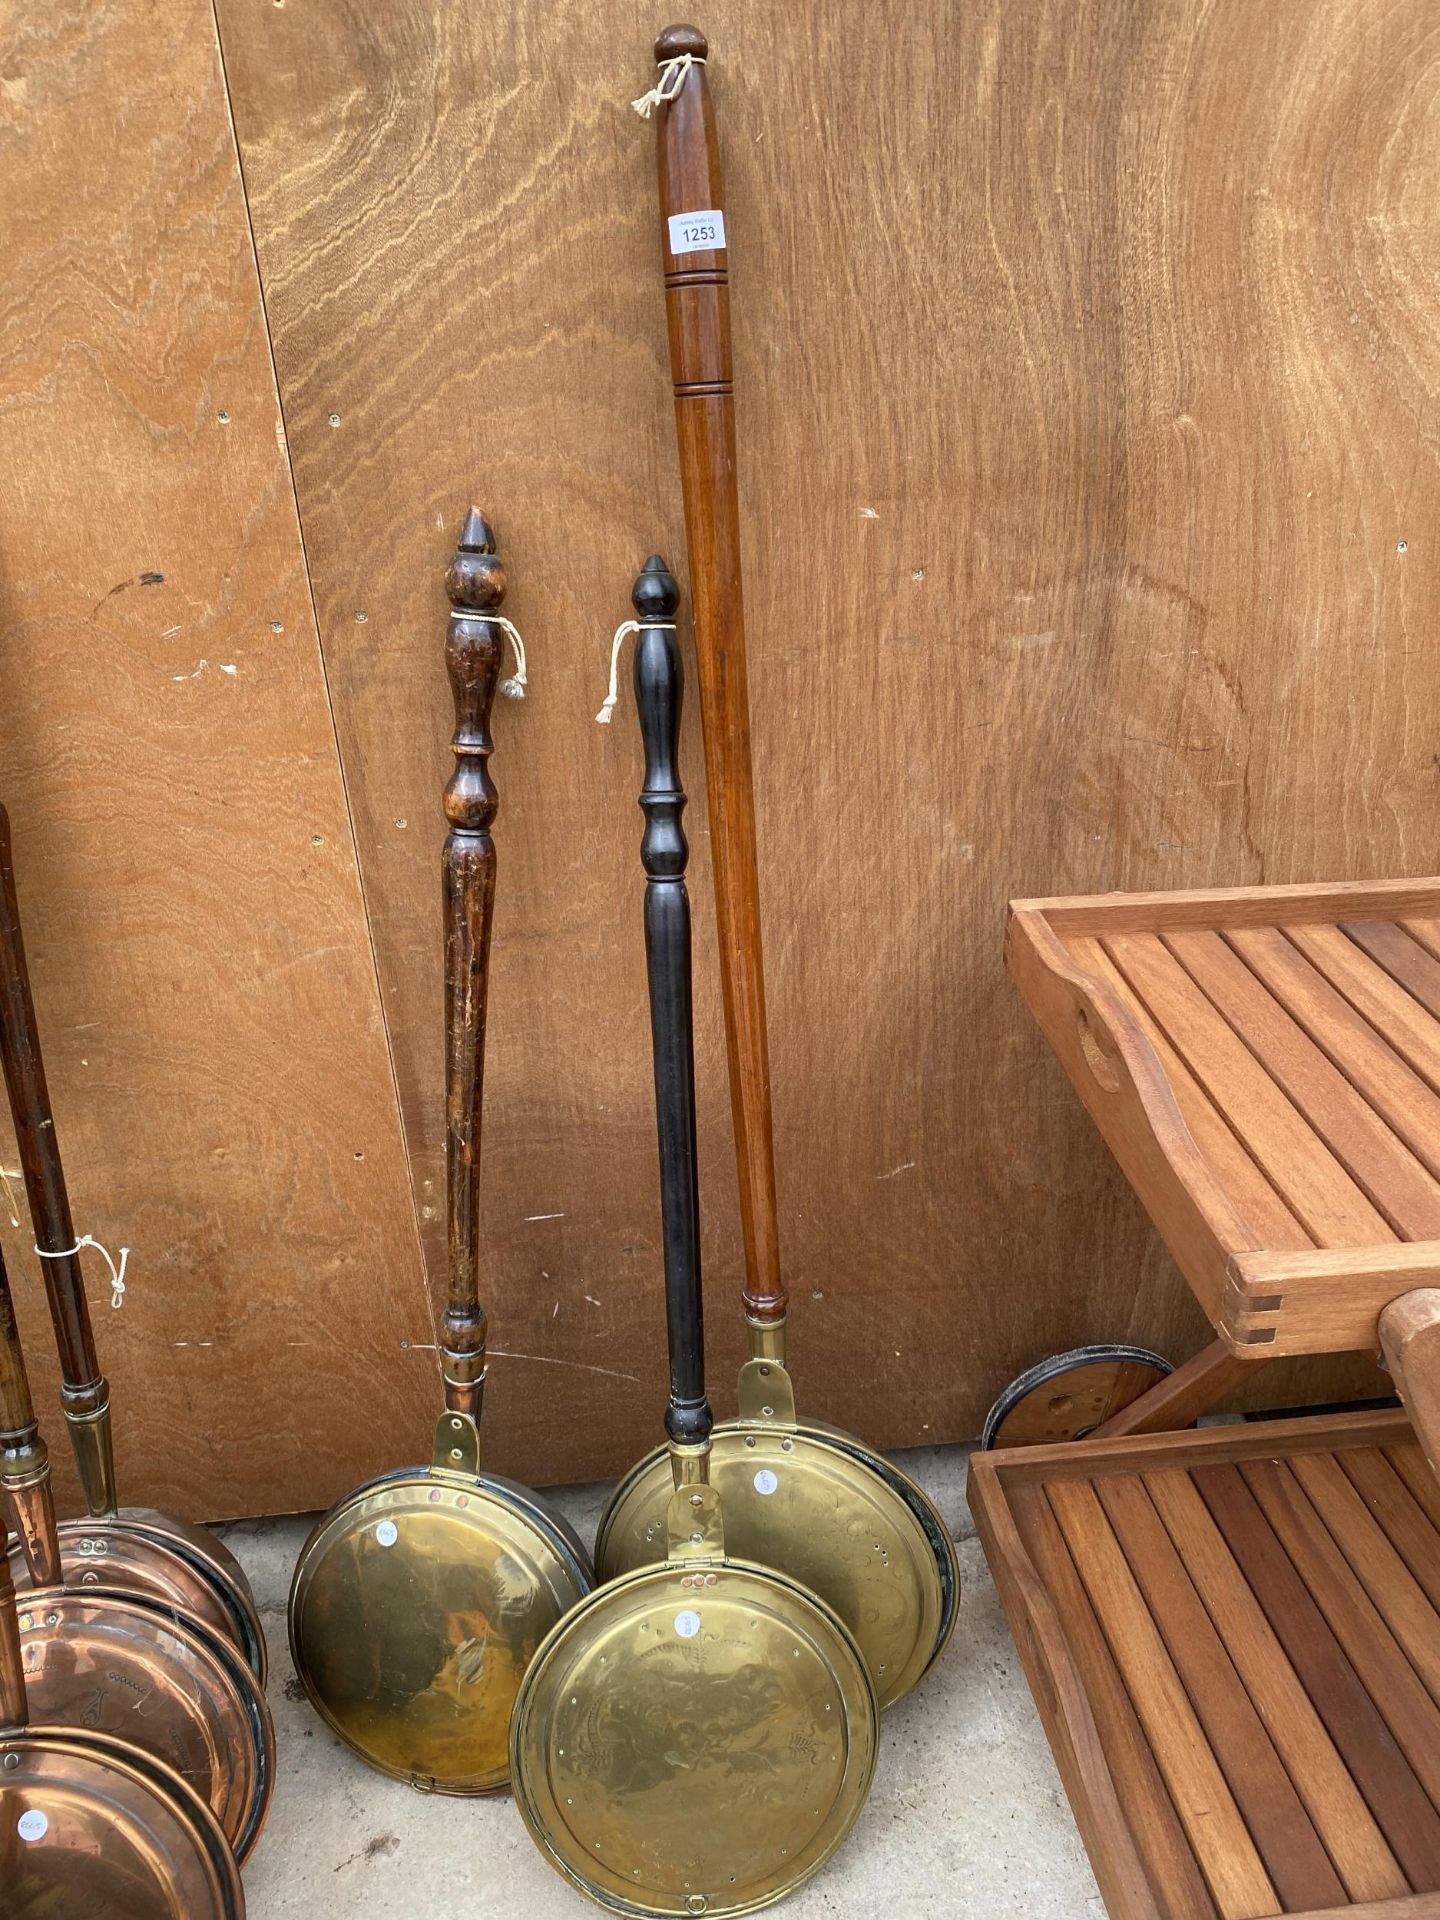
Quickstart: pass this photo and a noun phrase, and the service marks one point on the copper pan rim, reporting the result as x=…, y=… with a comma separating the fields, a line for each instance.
x=154, y=1564
x=177, y=1656
x=108, y=1764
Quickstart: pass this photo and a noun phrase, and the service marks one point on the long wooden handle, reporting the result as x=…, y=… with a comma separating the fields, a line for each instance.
x=474, y=648
x=697, y=301
x=24, y=1460
x=85, y=1392
x=659, y=688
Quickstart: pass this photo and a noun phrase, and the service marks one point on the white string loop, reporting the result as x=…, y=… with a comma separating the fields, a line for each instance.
x=612, y=696
x=117, y=1274
x=672, y=78
x=513, y=687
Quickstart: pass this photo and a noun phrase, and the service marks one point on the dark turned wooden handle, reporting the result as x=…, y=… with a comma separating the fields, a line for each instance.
x=659, y=687
x=697, y=302
x=24, y=1459
x=85, y=1390
x=474, y=648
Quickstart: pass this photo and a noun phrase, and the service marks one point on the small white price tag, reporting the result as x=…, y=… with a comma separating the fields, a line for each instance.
x=387, y=1533
x=765, y=1481
x=687, y=1624
x=697, y=232
x=33, y=1825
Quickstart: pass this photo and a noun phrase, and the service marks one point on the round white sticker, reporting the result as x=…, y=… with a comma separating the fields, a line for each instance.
x=687, y=1624
x=33, y=1825
x=387, y=1533
x=765, y=1481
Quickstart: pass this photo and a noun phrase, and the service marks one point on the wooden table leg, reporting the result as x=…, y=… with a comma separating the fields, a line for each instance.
x=1180, y=1399
x=1410, y=1336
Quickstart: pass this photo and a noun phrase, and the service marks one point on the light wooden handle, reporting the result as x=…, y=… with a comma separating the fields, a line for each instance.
x=697, y=301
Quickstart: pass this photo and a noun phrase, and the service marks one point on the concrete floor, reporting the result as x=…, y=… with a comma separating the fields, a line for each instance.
x=967, y=1815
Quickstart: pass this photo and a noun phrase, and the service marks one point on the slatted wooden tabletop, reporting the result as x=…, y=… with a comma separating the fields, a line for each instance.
x=1279, y=1051
x=1234, y=1639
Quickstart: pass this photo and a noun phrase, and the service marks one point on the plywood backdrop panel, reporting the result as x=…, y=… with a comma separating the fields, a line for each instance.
x=1085, y=360
x=1085, y=369
x=197, y=934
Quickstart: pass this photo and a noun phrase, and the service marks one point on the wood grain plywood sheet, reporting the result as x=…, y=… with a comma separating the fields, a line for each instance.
x=196, y=931
x=1083, y=358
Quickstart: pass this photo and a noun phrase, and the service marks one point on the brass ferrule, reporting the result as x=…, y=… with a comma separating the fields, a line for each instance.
x=25, y=1466
x=32, y=1514
x=463, y=1369
x=464, y=1376
x=767, y=1340
x=690, y=1463
x=94, y=1451
x=465, y=1396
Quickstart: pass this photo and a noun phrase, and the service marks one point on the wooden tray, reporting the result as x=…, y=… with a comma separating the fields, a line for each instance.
x=1233, y=1640
x=1265, y=1065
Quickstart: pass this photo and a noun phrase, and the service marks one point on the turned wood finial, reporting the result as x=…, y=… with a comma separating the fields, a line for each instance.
x=659, y=689
x=475, y=582
x=475, y=579
x=656, y=593
x=675, y=42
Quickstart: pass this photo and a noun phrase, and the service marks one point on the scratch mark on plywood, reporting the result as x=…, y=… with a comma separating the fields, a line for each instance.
x=577, y=1366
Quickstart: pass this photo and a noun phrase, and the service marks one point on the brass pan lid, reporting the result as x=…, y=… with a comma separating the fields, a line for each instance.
x=694, y=1739
x=132, y=1668
x=927, y=1516
x=126, y=1551
x=416, y=1607
x=839, y=1519
x=89, y=1826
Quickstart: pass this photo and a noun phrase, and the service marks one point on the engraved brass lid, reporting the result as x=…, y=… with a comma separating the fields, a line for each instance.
x=89, y=1826
x=696, y=1738
x=138, y=1551
x=416, y=1607
x=124, y=1665
x=841, y=1520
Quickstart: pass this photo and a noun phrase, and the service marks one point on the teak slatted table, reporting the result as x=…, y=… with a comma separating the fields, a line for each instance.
x=1232, y=1634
